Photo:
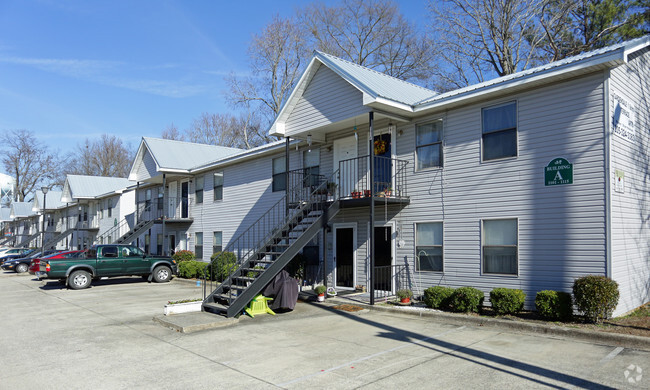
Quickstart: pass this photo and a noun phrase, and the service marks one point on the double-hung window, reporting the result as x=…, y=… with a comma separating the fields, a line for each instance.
x=500, y=246
x=428, y=246
x=198, y=245
x=217, y=185
x=109, y=203
x=499, y=131
x=216, y=243
x=198, y=189
x=279, y=174
x=428, y=148
x=311, y=168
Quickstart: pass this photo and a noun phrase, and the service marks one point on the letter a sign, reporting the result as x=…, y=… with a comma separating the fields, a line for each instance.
x=559, y=171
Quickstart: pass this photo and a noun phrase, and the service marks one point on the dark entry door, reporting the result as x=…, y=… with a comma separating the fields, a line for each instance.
x=344, y=257
x=383, y=258
x=184, y=199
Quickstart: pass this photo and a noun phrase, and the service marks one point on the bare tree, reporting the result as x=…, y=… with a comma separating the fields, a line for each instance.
x=478, y=39
x=30, y=163
x=171, y=132
x=277, y=56
x=370, y=33
x=107, y=156
x=227, y=130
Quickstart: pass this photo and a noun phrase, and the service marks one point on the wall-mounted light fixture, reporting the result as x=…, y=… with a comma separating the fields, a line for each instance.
x=391, y=127
x=309, y=139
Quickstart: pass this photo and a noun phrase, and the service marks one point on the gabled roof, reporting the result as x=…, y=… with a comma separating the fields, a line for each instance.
x=383, y=92
x=377, y=87
x=53, y=199
x=21, y=210
x=173, y=156
x=91, y=187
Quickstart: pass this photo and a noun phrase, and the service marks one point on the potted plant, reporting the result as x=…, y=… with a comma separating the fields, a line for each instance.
x=388, y=191
x=366, y=193
x=356, y=194
x=320, y=291
x=404, y=295
x=331, y=292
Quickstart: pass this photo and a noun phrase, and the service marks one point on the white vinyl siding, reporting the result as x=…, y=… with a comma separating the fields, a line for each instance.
x=630, y=236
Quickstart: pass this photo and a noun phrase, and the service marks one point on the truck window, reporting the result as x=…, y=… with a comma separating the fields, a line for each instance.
x=130, y=252
x=109, y=251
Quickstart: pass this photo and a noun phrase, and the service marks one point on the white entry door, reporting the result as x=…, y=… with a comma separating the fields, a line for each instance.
x=346, y=149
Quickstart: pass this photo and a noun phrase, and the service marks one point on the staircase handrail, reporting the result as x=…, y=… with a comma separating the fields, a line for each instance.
x=295, y=193
x=109, y=232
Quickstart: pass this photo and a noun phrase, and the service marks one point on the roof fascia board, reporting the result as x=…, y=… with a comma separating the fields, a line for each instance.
x=613, y=57
x=243, y=157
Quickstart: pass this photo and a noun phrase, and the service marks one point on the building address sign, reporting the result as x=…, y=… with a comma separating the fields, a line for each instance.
x=559, y=171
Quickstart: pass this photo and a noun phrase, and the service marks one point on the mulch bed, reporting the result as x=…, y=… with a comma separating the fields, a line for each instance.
x=346, y=307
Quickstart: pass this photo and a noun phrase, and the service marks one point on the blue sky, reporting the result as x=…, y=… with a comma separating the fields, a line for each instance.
x=76, y=69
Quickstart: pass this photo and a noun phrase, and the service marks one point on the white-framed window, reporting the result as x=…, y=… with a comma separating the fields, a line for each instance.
x=279, y=174
x=311, y=167
x=217, y=185
x=198, y=189
x=109, y=205
x=198, y=245
x=217, y=242
x=499, y=124
x=428, y=145
x=499, y=242
x=428, y=246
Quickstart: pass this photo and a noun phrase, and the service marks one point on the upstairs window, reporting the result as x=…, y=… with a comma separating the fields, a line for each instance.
x=218, y=186
x=279, y=174
x=499, y=131
x=110, y=207
x=198, y=189
x=428, y=148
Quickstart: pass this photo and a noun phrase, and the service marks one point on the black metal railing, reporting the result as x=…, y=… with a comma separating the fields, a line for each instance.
x=281, y=216
x=112, y=234
x=389, y=178
x=177, y=208
x=391, y=278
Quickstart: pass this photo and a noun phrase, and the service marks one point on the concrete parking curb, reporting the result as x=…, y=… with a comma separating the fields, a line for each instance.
x=614, y=339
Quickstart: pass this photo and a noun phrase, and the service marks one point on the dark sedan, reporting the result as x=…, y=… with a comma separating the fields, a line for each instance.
x=21, y=265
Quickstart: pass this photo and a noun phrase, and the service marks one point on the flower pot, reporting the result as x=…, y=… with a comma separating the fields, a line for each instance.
x=186, y=307
x=356, y=195
x=321, y=297
x=366, y=193
x=406, y=300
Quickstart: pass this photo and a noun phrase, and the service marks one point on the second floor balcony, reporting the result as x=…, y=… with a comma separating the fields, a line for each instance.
x=171, y=208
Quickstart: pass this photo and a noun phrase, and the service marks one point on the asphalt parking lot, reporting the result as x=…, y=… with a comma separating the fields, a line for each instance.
x=105, y=338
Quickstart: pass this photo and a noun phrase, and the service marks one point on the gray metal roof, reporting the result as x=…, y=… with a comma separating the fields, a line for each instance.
x=89, y=187
x=53, y=200
x=21, y=209
x=5, y=214
x=375, y=83
x=179, y=155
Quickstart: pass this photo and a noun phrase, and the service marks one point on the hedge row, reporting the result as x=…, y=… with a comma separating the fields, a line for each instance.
x=595, y=296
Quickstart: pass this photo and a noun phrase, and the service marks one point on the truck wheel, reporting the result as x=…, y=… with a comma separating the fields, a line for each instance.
x=79, y=279
x=162, y=273
x=20, y=268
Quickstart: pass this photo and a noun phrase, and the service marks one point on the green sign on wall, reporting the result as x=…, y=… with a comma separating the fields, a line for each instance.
x=559, y=171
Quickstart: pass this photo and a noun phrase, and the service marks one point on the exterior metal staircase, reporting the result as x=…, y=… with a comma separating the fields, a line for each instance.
x=25, y=243
x=268, y=245
x=52, y=241
x=134, y=233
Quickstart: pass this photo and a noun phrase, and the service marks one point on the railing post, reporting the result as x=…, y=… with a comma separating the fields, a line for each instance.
x=371, y=164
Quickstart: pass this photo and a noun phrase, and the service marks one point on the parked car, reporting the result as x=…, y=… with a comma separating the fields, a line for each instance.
x=16, y=253
x=108, y=260
x=22, y=264
x=35, y=264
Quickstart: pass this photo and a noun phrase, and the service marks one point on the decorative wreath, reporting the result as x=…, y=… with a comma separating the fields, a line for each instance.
x=380, y=147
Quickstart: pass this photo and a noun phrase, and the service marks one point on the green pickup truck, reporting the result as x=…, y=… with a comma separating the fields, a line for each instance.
x=107, y=260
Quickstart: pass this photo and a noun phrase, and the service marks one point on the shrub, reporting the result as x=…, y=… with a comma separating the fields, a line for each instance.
x=320, y=289
x=554, y=305
x=596, y=296
x=437, y=297
x=191, y=269
x=466, y=299
x=507, y=300
x=182, y=256
x=223, y=264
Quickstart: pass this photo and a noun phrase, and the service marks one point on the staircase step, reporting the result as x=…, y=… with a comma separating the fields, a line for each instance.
x=216, y=308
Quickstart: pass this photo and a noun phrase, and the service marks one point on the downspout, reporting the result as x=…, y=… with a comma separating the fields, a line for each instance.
x=371, y=165
x=286, y=176
x=608, y=189
x=164, y=214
